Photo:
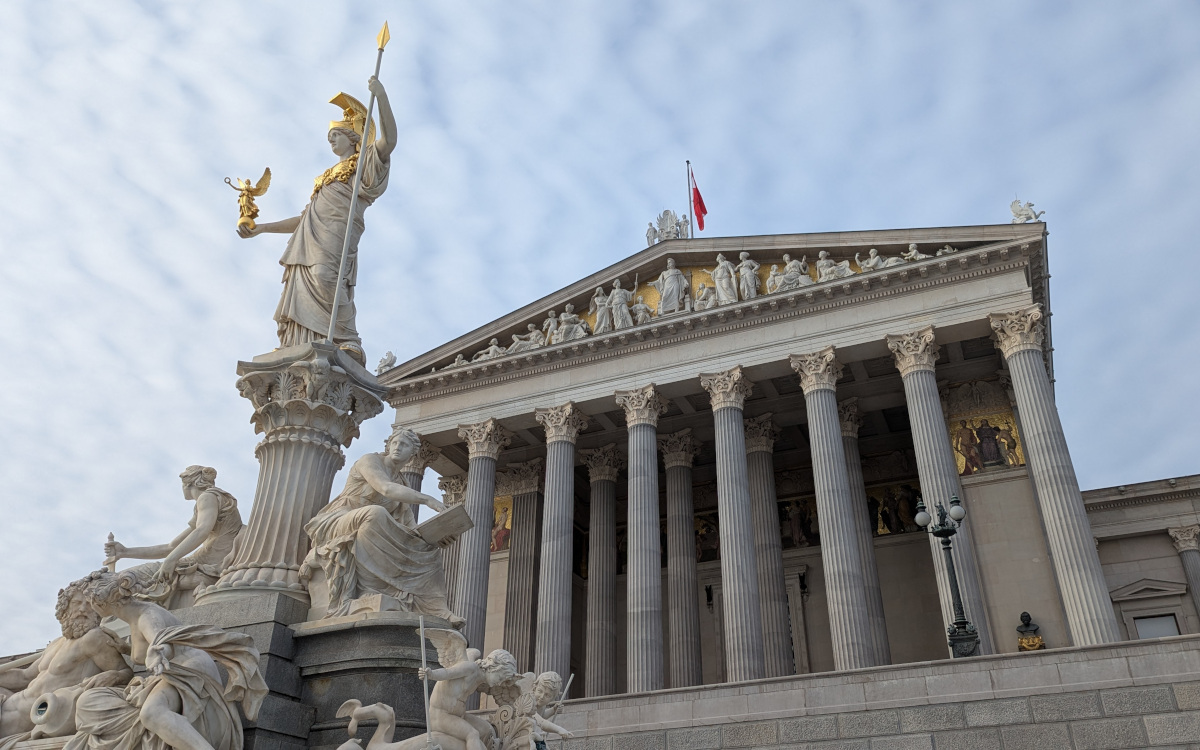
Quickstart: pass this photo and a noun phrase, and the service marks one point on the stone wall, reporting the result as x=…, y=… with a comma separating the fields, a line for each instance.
x=1133, y=695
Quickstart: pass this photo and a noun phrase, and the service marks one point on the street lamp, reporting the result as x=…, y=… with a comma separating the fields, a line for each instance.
x=962, y=636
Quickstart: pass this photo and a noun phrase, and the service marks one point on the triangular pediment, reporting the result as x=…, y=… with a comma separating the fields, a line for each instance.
x=1147, y=588
x=696, y=258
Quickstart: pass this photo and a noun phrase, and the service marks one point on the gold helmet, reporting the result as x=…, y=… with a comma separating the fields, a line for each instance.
x=354, y=115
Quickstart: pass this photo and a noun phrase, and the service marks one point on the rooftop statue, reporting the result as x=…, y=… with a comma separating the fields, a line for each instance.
x=599, y=307
x=874, y=261
x=672, y=288
x=387, y=362
x=724, y=278
x=1023, y=214
x=493, y=351
x=313, y=256
x=570, y=326
x=747, y=276
x=181, y=701
x=830, y=269
x=618, y=306
x=365, y=539
x=193, y=558
x=84, y=657
x=912, y=254
x=651, y=234
x=523, y=342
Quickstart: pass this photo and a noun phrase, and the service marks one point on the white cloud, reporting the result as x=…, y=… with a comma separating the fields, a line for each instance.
x=537, y=140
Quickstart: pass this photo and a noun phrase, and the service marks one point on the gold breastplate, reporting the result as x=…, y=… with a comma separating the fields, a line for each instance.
x=340, y=172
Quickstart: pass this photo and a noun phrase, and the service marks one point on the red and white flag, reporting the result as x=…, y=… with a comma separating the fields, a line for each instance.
x=698, y=209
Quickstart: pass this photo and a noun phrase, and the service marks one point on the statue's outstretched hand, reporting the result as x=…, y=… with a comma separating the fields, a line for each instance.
x=246, y=232
x=433, y=503
x=113, y=551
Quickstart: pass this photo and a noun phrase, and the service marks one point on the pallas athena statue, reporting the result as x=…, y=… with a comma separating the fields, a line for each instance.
x=314, y=250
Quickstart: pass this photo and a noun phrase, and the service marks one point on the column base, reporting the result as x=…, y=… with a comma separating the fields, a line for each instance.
x=963, y=640
x=252, y=582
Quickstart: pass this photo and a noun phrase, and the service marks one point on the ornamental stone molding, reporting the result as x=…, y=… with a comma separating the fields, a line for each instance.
x=727, y=389
x=1019, y=330
x=849, y=417
x=311, y=397
x=761, y=434
x=484, y=439
x=914, y=351
x=562, y=423
x=679, y=448
x=817, y=371
x=524, y=478
x=1185, y=537
x=603, y=463
x=454, y=488
x=421, y=459
x=642, y=405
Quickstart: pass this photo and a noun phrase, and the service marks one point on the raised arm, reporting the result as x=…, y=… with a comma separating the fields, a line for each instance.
x=372, y=469
x=386, y=141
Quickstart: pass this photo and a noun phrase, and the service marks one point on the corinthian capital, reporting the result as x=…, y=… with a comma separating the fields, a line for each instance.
x=761, y=433
x=421, y=460
x=1185, y=538
x=484, y=439
x=642, y=405
x=1018, y=330
x=603, y=463
x=727, y=389
x=561, y=422
x=525, y=478
x=849, y=417
x=819, y=370
x=914, y=351
x=678, y=448
x=454, y=488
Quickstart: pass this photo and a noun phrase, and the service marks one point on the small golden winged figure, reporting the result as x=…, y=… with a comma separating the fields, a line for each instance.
x=246, y=195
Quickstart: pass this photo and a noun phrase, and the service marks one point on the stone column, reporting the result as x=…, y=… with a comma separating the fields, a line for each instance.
x=308, y=403
x=850, y=421
x=484, y=441
x=644, y=669
x=1187, y=544
x=778, y=658
x=683, y=605
x=1019, y=336
x=454, y=491
x=414, y=473
x=563, y=425
x=524, y=553
x=601, y=647
x=915, y=354
x=849, y=614
x=739, y=571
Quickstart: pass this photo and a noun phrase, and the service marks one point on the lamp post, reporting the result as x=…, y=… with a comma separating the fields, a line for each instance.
x=962, y=636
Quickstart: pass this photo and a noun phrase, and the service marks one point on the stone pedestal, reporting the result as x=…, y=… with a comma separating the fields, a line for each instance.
x=308, y=404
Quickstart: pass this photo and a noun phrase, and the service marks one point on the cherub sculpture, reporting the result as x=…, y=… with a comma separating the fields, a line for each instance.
x=462, y=673
x=1023, y=213
x=526, y=710
x=247, y=192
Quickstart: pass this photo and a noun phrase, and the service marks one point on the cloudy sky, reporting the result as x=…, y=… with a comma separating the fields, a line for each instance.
x=536, y=141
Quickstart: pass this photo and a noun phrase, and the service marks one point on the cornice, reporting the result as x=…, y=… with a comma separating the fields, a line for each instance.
x=912, y=278
x=1134, y=500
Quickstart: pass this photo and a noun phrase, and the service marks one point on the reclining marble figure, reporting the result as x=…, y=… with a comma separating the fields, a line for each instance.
x=85, y=656
x=366, y=542
x=180, y=702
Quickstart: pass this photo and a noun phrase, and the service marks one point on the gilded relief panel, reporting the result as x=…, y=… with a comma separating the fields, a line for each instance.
x=502, y=523
x=983, y=429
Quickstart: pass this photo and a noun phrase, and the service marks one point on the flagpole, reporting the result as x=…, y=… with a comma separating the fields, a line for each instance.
x=382, y=39
x=691, y=208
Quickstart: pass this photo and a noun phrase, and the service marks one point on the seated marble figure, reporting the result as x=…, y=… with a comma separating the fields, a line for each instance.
x=365, y=540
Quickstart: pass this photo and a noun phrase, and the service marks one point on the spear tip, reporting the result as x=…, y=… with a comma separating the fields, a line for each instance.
x=384, y=37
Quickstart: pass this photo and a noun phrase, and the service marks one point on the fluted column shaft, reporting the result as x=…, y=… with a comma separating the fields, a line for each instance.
x=1086, y=600
x=553, y=649
x=484, y=441
x=683, y=604
x=915, y=355
x=454, y=490
x=739, y=569
x=644, y=670
x=521, y=595
x=849, y=614
x=778, y=658
x=307, y=406
x=863, y=534
x=601, y=643
x=1187, y=544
